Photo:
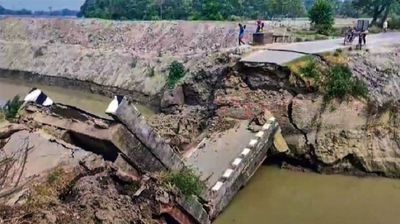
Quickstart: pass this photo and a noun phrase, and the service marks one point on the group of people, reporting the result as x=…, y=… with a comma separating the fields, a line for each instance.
x=242, y=29
x=351, y=33
x=362, y=32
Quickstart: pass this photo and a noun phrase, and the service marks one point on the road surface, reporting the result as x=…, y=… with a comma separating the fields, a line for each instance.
x=270, y=55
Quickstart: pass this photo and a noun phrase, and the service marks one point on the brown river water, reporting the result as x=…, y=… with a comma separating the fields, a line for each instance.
x=276, y=196
x=273, y=196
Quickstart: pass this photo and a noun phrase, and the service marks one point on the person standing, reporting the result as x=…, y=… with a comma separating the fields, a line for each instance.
x=258, y=26
x=385, y=26
x=241, y=33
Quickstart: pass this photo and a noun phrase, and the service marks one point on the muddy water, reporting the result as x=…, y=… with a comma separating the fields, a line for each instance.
x=285, y=197
x=92, y=103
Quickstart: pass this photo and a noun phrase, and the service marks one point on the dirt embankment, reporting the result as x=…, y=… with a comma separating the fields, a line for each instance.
x=130, y=56
x=357, y=136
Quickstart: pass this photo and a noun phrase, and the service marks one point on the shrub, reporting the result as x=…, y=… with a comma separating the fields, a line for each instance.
x=322, y=16
x=311, y=70
x=374, y=29
x=186, y=181
x=394, y=23
x=176, y=73
x=298, y=39
x=321, y=37
x=12, y=107
x=342, y=83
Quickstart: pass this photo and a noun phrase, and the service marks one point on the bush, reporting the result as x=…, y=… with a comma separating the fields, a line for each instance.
x=12, y=107
x=311, y=70
x=186, y=181
x=176, y=73
x=322, y=16
x=394, y=23
x=321, y=37
x=298, y=39
x=374, y=29
x=342, y=83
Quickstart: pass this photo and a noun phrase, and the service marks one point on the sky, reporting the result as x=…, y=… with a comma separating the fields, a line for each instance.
x=41, y=4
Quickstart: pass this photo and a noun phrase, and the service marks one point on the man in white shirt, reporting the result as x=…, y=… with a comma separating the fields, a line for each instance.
x=385, y=26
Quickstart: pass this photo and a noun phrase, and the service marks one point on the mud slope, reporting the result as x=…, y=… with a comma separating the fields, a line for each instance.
x=128, y=55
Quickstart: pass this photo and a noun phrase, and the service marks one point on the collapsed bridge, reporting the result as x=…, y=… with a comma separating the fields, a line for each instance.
x=224, y=161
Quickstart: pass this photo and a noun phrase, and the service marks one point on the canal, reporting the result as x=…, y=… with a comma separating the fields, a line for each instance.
x=276, y=196
x=83, y=99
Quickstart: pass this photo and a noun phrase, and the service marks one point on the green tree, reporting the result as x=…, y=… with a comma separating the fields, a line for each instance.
x=322, y=17
x=287, y=8
x=347, y=9
x=378, y=9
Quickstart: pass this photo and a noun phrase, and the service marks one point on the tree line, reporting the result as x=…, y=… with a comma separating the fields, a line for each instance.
x=231, y=9
x=378, y=10
x=192, y=9
x=21, y=12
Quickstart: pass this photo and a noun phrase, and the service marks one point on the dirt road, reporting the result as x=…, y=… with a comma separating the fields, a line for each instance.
x=271, y=55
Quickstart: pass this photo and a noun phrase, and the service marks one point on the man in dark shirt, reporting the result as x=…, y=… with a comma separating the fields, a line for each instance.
x=241, y=33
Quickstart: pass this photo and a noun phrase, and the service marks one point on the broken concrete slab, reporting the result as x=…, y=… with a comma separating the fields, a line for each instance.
x=105, y=137
x=29, y=157
x=129, y=115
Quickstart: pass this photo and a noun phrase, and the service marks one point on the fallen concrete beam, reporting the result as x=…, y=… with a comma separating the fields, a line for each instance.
x=128, y=114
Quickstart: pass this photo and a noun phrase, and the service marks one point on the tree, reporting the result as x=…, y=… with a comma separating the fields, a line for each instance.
x=347, y=9
x=322, y=17
x=376, y=8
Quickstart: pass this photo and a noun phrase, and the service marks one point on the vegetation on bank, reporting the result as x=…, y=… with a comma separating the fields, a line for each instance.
x=176, y=73
x=341, y=83
x=11, y=108
x=47, y=193
x=186, y=181
x=334, y=80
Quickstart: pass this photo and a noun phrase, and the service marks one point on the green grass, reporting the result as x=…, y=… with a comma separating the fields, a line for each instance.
x=186, y=181
x=342, y=83
x=334, y=79
x=311, y=70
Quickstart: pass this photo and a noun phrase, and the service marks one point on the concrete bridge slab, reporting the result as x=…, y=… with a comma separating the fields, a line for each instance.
x=215, y=154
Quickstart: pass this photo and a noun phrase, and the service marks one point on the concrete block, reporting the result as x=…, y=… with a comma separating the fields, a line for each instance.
x=217, y=186
x=253, y=143
x=236, y=162
x=260, y=134
x=227, y=173
x=246, y=152
x=280, y=142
